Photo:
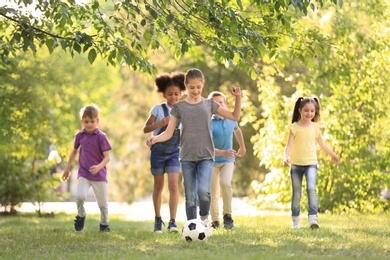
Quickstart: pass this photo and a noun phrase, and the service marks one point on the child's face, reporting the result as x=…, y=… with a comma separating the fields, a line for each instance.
x=308, y=112
x=220, y=100
x=194, y=87
x=172, y=94
x=90, y=124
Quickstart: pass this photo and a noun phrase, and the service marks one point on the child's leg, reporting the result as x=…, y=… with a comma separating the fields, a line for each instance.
x=82, y=192
x=226, y=187
x=204, y=173
x=157, y=194
x=173, y=187
x=100, y=190
x=190, y=188
x=296, y=173
x=311, y=179
x=215, y=193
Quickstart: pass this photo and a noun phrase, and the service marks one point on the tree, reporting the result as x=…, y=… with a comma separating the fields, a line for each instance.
x=353, y=86
x=238, y=32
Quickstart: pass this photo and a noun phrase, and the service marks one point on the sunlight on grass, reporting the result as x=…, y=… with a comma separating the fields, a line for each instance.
x=261, y=237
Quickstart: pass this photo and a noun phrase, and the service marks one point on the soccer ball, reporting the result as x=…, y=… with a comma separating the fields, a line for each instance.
x=195, y=230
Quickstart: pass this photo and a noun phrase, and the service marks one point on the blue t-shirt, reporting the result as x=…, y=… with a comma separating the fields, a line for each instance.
x=222, y=130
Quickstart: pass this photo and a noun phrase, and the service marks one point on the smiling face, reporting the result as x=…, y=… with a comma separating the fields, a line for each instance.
x=307, y=112
x=172, y=94
x=194, y=88
x=89, y=124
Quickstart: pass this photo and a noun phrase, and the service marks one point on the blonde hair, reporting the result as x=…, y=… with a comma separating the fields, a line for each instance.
x=217, y=94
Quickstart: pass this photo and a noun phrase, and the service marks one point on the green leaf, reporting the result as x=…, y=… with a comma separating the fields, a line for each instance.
x=50, y=45
x=77, y=47
x=92, y=56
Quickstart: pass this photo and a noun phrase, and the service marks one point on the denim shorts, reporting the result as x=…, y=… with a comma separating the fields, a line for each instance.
x=164, y=159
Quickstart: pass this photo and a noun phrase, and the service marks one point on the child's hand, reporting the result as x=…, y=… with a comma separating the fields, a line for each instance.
x=165, y=121
x=150, y=141
x=286, y=162
x=335, y=159
x=241, y=152
x=94, y=169
x=65, y=175
x=236, y=91
x=229, y=153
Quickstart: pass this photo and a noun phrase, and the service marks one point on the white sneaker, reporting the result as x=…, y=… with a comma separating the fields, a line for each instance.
x=296, y=222
x=208, y=229
x=313, y=221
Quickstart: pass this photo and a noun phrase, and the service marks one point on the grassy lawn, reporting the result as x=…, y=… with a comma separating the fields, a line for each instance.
x=263, y=237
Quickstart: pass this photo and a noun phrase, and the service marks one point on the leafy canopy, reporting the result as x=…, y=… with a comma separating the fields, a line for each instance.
x=238, y=32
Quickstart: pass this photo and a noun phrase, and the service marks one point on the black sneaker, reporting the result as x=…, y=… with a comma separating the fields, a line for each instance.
x=79, y=223
x=172, y=227
x=228, y=221
x=105, y=228
x=215, y=225
x=158, y=225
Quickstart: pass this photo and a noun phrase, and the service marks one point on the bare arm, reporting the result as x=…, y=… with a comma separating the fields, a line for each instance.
x=150, y=124
x=166, y=135
x=241, y=143
x=287, y=150
x=323, y=145
x=72, y=156
x=236, y=113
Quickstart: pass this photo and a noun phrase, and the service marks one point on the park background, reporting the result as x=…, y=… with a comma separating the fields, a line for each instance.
x=330, y=49
x=58, y=56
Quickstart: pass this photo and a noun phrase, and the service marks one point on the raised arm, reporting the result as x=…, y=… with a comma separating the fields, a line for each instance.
x=236, y=113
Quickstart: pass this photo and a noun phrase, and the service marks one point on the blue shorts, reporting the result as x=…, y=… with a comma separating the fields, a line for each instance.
x=164, y=159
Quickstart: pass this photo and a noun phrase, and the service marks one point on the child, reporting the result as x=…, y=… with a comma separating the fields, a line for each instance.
x=196, y=143
x=164, y=156
x=94, y=155
x=301, y=144
x=222, y=130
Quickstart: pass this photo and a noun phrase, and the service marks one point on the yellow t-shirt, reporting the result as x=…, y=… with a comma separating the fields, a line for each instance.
x=304, y=145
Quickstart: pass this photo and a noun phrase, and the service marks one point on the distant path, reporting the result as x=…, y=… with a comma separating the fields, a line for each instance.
x=143, y=209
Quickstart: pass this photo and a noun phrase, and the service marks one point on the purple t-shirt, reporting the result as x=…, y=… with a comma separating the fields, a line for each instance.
x=92, y=147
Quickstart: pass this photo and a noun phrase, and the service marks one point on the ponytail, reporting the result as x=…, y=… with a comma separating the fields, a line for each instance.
x=296, y=115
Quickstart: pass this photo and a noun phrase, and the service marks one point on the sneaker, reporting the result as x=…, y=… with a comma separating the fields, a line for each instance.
x=105, y=228
x=79, y=223
x=215, y=225
x=228, y=221
x=172, y=227
x=313, y=221
x=296, y=223
x=158, y=225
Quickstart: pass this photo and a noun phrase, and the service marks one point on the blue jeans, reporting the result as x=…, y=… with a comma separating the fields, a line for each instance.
x=197, y=179
x=297, y=172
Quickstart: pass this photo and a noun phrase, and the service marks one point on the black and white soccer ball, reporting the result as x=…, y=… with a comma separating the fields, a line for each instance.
x=196, y=230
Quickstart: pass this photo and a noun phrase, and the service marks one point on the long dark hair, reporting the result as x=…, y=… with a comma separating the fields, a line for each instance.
x=300, y=103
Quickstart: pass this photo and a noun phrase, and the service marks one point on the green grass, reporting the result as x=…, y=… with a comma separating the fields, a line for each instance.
x=263, y=237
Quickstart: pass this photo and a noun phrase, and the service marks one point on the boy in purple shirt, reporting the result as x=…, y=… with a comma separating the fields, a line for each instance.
x=94, y=155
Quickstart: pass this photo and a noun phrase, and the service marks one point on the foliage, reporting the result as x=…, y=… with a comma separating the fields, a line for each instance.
x=39, y=112
x=258, y=237
x=352, y=84
x=238, y=32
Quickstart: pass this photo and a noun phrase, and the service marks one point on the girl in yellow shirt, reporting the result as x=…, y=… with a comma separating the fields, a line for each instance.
x=300, y=154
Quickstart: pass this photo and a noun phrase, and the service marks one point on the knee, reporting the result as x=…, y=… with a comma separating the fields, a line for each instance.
x=81, y=198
